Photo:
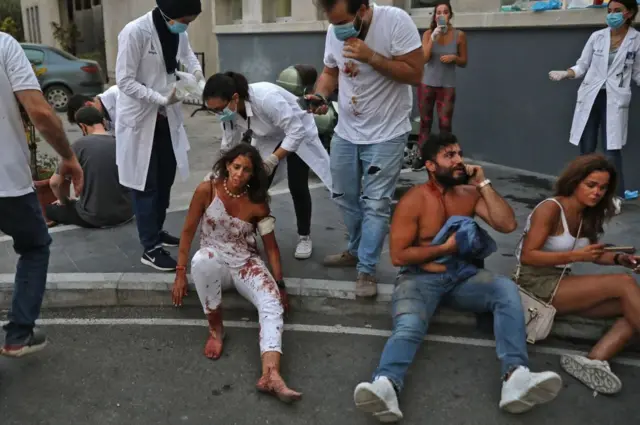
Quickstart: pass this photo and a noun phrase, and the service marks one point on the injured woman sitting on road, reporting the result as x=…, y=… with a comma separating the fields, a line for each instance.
x=583, y=201
x=230, y=208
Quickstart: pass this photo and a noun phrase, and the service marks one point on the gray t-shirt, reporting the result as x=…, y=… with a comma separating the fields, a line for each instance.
x=103, y=202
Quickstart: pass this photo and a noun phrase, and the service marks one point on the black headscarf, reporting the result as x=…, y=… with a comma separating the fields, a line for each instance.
x=173, y=9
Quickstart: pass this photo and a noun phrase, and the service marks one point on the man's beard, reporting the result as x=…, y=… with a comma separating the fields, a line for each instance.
x=447, y=178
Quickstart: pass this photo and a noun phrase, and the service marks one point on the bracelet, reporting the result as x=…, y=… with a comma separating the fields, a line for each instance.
x=372, y=57
x=181, y=268
x=483, y=183
x=616, y=259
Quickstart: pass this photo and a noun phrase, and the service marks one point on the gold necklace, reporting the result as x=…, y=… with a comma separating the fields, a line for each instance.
x=233, y=195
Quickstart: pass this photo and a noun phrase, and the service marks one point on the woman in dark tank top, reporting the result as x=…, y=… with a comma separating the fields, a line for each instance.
x=445, y=48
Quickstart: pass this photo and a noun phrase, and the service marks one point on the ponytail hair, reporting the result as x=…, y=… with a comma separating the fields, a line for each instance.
x=447, y=3
x=225, y=85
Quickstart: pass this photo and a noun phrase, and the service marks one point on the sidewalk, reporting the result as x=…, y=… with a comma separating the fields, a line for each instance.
x=102, y=267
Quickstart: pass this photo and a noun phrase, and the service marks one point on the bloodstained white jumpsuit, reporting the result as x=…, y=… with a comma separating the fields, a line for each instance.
x=228, y=256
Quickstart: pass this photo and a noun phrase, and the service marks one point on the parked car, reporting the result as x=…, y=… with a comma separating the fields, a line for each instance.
x=62, y=75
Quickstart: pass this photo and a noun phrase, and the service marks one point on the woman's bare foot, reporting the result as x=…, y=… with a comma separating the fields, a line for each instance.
x=272, y=383
x=213, y=346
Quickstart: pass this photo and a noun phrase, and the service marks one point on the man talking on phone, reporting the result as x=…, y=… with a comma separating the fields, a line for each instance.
x=437, y=265
x=376, y=55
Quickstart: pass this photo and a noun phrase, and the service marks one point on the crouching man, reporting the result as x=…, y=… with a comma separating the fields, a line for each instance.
x=103, y=201
x=435, y=241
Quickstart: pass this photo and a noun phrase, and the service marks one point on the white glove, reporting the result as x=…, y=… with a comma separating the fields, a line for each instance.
x=172, y=99
x=270, y=164
x=436, y=33
x=199, y=76
x=558, y=75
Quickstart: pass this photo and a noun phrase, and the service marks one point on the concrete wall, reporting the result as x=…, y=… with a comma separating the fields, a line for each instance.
x=507, y=110
x=49, y=11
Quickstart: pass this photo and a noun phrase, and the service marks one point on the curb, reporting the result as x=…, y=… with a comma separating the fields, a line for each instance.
x=330, y=297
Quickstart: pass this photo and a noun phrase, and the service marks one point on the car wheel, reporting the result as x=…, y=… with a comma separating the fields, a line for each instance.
x=58, y=97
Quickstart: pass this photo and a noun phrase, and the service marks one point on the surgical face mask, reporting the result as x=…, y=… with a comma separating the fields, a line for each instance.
x=227, y=115
x=346, y=31
x=615, y=20
x=175, y=27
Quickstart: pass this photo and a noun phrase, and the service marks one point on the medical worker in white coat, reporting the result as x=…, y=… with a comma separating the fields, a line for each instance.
x=150, y=137
x=609, y=63
x=104, y=102
x=270, y=118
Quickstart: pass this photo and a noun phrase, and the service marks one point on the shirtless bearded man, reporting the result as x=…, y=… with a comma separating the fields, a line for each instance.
x=453, y=189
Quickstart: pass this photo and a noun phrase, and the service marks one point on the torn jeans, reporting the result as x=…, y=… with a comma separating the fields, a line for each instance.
x=364, y=179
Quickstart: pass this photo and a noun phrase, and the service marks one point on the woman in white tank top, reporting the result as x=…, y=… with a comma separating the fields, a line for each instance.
x=583, y=200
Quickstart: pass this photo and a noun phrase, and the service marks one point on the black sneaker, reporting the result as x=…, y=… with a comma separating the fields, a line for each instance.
x=34, y=343
x=159, y=259
x=168, y=240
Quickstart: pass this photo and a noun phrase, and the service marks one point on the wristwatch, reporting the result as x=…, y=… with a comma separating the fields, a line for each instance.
x=483, y=183
x=281, y=284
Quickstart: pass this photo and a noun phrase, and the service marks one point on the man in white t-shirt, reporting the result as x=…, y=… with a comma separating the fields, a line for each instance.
x=20, y=212
x=374, y=54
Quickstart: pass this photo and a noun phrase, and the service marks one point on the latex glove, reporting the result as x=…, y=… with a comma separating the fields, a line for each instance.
x=558, y=75
x=199, y=76
x=436, y=33
x=172, y=99
x=270, y=164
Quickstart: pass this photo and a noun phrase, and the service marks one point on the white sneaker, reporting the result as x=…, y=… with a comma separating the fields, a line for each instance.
x=304, y=248
x=378, y=398
x=617, y=205
x=525, y=389
x=595, y=374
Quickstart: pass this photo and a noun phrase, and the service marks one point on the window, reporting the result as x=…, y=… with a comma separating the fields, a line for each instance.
x=419, y=4
x=35, y=56
x=37, y=24
x=236, y=11
x=282, y=10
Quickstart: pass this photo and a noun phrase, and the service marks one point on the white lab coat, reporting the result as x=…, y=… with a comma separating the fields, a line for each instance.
x=593, y=65
x=143, y=81
x=109, y=99
x=275, y=117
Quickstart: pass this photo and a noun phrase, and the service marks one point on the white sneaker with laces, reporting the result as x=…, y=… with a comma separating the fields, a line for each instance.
x=378, y=398
x=595, y=374
x=525, y=389
x=304, y=248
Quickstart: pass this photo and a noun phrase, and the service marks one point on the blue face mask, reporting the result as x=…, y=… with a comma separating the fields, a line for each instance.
x=346, y=31
x=615, y=20
x=177, y=27
x=227, y=115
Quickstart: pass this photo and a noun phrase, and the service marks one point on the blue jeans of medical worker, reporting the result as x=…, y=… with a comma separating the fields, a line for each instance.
x=597, y=126
x=150, y=206
x=416, y=296
x=21, y=218
x=364, y=181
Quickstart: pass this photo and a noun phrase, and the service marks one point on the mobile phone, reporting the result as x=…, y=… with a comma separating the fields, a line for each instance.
x=306, y=104
x=442, y=21
x=623, y=249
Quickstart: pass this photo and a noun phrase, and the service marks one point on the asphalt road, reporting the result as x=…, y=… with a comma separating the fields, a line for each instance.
x=156, y=374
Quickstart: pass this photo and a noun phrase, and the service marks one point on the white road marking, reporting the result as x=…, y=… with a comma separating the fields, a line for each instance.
x=336, y=329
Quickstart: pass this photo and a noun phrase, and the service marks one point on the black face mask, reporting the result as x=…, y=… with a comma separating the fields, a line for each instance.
x=446, y=178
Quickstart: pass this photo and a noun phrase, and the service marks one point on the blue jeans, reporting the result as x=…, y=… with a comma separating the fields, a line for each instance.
x=21, y=218
x=150, y=206
x=364, y=181
x=597, y=125
x=416, y=296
